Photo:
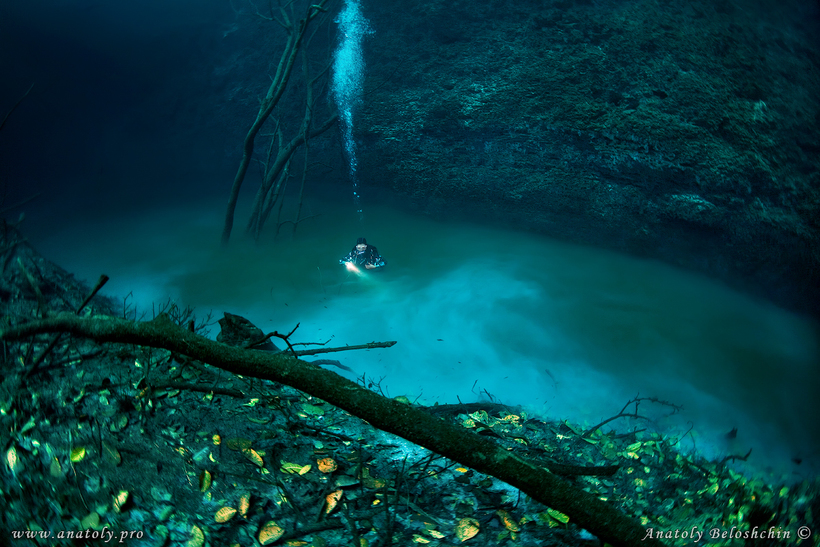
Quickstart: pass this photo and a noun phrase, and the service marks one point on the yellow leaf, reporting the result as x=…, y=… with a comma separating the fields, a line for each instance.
x=253, y=456
x=466, y=528
x=120, y=500
x=558, y=515
x=77, y=454
x=420, y=539
x=507, y=520
x=270, y=532
x=197, y=538
x=326, y=465
x=331, y=500
x=294, y=468
x=436, y=534
x=244, y=504
x=225, y=514
x=238, y=443
x=205, y=479
x=13, y=460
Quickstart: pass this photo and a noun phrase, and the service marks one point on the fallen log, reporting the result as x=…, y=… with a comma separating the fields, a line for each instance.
x=415, y=425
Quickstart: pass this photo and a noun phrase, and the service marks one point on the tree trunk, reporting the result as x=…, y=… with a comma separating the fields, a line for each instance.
x=275, y=91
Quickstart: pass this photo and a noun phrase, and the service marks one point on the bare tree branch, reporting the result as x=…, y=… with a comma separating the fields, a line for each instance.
x=624, y=414
x=20, y=100
x=275, y=91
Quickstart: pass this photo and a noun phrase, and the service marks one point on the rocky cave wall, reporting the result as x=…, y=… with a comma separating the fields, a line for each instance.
x=680, y=131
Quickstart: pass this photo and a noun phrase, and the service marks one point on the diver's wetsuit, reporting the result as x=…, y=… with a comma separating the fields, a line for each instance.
x=369, y=256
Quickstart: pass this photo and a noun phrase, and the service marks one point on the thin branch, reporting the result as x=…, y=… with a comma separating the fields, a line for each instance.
x=41, y=301
x=33, y=368
x=201, y=389
x=735, y=457
x=20, y=203
x=20, y=100
x=623, y=414
x=371, y=345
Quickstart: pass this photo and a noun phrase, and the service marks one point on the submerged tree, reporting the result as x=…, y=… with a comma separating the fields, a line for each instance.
x=285, y=139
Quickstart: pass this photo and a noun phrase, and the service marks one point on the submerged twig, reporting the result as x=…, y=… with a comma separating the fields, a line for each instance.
x=36, y=364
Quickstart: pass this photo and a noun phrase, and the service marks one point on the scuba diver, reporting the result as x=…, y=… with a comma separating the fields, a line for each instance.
x=363, y=255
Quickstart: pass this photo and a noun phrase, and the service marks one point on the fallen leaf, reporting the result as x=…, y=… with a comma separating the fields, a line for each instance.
x=55, y=469
x=372, y=482
x=558, y=515
x=270, y=532
x=205, y=480
x=294, y=468
x=225, y=514
x=331, y=500
x=120, y=500
x=238, y=444
x=326, y=465
x=197, y=538
x=244, y=504
x=92, y=520
x=253, y=456
x=312, y=410
x=466, y=528
x=77, y=454
x=507, y=520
